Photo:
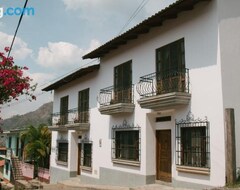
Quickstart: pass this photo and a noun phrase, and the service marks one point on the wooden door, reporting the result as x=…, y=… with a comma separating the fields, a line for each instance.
x=79, y=159
x=164, y=158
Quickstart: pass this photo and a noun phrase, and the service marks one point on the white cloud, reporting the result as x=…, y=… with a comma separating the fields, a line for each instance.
x=2, y=25
x=102, y=10
x=93, y=45
x=41, y=78
x=112, y=13
x=72, y=4
x=63, y=55
x=155, y=5
x=20, y=48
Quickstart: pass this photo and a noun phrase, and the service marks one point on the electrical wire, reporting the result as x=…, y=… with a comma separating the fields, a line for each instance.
x=19, y=22
x=7, y=105
x=135, y=13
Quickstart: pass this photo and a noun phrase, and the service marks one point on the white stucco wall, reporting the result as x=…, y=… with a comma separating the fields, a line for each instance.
x=207, y=52
x=229, y=37
x=200, y=32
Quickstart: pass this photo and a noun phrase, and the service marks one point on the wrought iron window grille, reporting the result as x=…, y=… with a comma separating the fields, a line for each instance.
x=193, y=142
x=127, y=148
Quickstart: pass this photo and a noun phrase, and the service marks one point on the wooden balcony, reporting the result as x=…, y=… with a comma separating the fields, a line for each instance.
x=73, y=120
x=116, y=101
x=164, y=91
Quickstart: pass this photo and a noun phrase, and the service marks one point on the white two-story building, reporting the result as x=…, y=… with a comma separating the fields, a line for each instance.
x=153, y=108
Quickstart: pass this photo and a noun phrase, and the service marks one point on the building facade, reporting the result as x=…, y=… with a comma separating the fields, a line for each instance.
x=153, y=108
x=14, y=148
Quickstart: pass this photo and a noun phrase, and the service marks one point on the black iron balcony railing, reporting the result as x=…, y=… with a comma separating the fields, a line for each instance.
x=163, y=82
x=72, y=116
x=113, y=95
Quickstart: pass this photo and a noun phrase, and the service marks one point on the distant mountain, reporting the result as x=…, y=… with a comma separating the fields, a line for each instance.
x=40, y=116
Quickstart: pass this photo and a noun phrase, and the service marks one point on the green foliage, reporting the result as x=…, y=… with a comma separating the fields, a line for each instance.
x=37, y=142
x=236, y=185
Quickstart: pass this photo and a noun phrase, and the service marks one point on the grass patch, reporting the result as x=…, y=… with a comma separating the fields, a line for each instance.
x=236, y=185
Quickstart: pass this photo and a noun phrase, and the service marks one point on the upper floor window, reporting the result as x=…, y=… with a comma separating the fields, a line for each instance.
x=170, y=67
x=64, y=110
x=83, y=106
x=123, y=83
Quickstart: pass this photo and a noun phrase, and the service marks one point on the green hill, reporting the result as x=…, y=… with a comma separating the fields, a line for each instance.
x=40, y=116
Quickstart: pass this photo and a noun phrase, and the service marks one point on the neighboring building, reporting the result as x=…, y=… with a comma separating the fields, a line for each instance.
x=14, y=148
x=162, y=89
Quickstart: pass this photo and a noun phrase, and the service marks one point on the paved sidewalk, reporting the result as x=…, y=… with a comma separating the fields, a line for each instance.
x=74, y=184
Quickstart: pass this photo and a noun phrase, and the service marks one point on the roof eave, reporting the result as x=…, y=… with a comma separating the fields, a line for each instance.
x=73, y=76
x=171, y=12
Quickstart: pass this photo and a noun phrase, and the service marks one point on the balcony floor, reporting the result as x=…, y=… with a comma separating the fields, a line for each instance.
x=71, y=126
x=165, y=101
x=117, y=108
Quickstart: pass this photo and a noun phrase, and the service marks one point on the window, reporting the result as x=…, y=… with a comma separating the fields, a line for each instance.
x=192, y=144
x=64, y=110
x=7, y=167
x=87, y=155
x=17, y=147
x=123, y=83
x=127, y=145
x=83, y=106
x=63, y=151
x=170, y=67
x=9, y=142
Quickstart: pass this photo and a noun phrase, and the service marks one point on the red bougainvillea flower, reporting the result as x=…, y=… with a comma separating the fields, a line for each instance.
x=13, y=83
x=7, y=49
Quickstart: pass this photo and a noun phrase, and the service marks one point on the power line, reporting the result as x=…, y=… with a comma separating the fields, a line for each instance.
x=21, y=101
x=19, y=22
x=139, y=8
x=66, y=74
x=44, y=84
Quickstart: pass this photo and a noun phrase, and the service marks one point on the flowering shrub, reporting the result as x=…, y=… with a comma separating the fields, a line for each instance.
x=12, y=81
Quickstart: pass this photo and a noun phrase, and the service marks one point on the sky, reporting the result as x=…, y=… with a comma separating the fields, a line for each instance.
x=51, y=42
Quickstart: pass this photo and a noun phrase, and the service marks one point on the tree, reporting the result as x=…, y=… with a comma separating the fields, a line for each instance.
x=13, y=83
x=37, y=141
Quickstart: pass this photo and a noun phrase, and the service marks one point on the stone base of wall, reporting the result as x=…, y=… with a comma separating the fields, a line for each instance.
x=184, y=184
x=118, y=178
x=58, y=174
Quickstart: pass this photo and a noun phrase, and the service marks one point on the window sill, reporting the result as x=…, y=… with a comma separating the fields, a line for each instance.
x=194, y=170
x=126, y=162
x=86, y=168
x=61, y=163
